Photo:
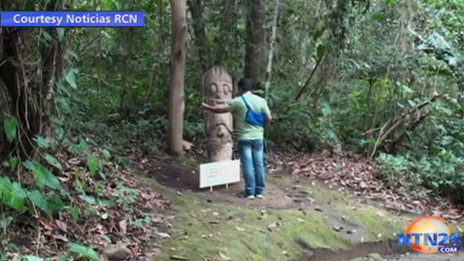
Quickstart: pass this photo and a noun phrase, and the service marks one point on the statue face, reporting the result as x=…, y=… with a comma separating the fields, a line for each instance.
x=219, y=91
x=218, y=84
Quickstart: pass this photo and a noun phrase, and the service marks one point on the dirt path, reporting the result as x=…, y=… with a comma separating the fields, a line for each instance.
x=265, y=229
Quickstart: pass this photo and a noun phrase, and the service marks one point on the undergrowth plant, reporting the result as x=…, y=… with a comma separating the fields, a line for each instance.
x=30, y=188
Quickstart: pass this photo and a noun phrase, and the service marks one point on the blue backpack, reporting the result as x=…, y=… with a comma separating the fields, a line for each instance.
x=254, y=117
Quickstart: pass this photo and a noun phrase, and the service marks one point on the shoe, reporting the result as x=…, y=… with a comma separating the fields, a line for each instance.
x=259, y=196
x=243, y=194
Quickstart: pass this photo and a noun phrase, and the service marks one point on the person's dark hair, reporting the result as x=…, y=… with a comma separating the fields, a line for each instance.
x=245, y=84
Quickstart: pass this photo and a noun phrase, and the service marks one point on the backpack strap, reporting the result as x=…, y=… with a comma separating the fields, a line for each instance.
x=246, y=103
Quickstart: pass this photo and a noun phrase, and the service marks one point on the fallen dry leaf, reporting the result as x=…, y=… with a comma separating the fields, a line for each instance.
x=163, y=235
x=337, y=228
x=104, y=257
x=61, y=225
x=123, y=226
x=117, y=252
x=224, y=257
x=271, y=226
x=240, y=229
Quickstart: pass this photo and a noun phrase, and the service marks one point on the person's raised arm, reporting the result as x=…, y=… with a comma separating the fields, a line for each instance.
x=230, y=107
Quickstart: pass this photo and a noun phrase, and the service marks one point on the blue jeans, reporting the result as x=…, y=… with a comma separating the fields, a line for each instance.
x=252, y=159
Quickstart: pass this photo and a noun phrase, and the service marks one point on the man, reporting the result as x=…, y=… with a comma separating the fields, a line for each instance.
x=250, y=136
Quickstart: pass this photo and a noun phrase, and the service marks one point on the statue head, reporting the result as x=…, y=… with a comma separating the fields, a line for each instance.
x=217, y=84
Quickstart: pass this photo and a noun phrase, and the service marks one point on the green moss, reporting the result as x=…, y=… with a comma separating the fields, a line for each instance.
x=321, y=193
x=205, y=229
x=202, y=229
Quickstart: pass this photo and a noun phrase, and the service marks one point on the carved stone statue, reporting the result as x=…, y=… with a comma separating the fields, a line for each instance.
x=218, y=90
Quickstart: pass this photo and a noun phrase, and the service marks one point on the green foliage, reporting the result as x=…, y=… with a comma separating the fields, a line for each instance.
x=10, y=126
x=15, y=196
x=369, y=75
x=47, y=195
x=84, y=252
x=378, y=60
x=12, y=194
x=431, y=162
x=437, y=169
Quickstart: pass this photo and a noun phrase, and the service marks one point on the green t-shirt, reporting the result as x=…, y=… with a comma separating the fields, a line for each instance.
x=237, y=107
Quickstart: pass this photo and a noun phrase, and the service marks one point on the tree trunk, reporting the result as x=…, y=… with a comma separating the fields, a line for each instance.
x=226, y=38
x=196, y=9
x=256, y=42
x=177, y=73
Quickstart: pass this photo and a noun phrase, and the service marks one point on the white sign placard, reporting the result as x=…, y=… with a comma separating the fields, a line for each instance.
x=219, y=173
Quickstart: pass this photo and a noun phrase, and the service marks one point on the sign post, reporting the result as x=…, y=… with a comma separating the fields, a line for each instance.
x=219, y=173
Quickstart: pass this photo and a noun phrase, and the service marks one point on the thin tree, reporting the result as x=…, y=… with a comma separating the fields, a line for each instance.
x=272, y=43
x=177, y=73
